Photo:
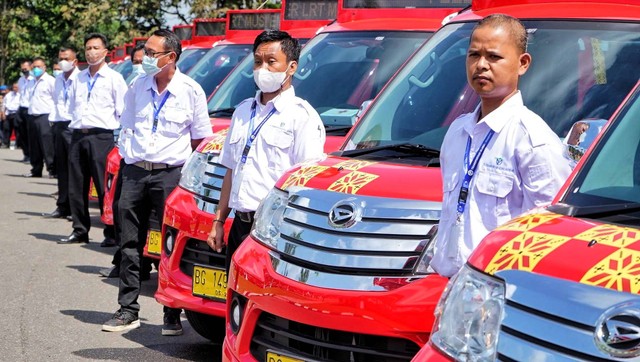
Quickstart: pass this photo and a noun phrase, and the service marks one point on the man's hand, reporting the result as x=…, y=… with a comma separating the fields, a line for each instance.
x=216, y=237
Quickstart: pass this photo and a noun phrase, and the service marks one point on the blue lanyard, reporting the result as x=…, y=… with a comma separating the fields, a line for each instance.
x=253, y=133
x=91, y=84
x=470, y=169
x=65, y=86
x=156, y=110
x=35, y=85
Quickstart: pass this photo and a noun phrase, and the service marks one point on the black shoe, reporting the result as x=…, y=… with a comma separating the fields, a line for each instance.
x=74, y=238
x=26, y=160
x=108, y=242
x=112, y=272
x=121, y=321
x=69, y=218
x=31, y=175
x=172, y=325
x=56, y=214
x=53, y=176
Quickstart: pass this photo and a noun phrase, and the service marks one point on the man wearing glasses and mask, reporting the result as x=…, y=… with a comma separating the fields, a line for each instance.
x=165, y=117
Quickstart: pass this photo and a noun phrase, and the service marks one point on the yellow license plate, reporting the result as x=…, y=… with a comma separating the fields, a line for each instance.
x=154, y=242
x=274, y=357
x=93, y=192
x=209, y=283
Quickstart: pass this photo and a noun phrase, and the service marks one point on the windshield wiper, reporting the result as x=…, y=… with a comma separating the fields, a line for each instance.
x=595, y=210
x=222, y=112
x=410, y=148
x=337, y=129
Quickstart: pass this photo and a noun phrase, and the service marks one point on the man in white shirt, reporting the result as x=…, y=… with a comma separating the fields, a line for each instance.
x=60, y=119
x=500, y=160
x=96, y=103
x=22, y=135
x=269, y=134
x=40, y=106
x=11, y=104
x=165, y=117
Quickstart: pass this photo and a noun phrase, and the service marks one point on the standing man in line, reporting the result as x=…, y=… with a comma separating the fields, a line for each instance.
x=165, y=118
x=502, y=159
x=11, y=104
x=40, y=106
x=60, y=119
x=269, y=134
x=96, y=103
x=22, y=134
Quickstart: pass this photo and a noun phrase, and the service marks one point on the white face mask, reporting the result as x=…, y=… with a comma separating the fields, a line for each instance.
x=269, y=82
x=65, y=65
x=137, y=69
x=150, y=65
x=57, y=72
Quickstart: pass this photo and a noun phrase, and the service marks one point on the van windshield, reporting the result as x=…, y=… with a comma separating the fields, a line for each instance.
x=190, y=57
x=216, y=65
x=580, y=70
x=336, y=73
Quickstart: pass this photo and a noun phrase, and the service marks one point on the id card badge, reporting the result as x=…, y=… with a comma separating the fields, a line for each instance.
x=152, y=144
x=456, y=234
x=237, y=181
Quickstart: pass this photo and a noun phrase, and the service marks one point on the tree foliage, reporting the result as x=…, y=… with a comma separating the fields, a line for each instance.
x=30, y=28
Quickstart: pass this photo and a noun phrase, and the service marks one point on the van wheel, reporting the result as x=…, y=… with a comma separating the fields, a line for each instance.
x=208, y=326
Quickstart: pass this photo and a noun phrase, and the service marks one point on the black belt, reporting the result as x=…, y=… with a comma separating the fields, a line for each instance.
x=247, y=217
x=92, y=130
x=150, y=166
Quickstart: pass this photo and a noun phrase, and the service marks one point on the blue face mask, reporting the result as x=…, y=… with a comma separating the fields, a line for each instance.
x=150, y=65
x=57, y=73
x=37, y=72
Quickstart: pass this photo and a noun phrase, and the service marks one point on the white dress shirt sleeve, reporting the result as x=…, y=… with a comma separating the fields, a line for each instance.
x=309, y=137
x=119, y=90
x=201, y=125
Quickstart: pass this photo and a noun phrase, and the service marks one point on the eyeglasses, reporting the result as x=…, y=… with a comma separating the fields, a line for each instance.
x=152, y=54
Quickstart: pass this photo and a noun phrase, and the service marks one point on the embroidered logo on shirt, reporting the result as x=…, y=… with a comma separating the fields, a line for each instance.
x=499, y=160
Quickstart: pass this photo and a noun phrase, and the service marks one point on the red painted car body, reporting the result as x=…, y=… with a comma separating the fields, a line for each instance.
x=357, y=226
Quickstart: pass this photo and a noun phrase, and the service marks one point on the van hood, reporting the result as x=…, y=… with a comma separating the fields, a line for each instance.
x=371, y=178
x=575, y=249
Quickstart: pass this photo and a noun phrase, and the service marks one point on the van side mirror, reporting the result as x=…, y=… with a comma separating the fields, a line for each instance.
x=582, y=134
x=363, y=107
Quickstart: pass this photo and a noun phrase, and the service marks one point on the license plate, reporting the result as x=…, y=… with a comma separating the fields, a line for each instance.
x=154, y=242
x=209, y=283
x=274, y=357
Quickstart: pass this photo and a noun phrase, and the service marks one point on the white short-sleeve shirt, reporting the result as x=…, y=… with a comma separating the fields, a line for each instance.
x=41, y=93
x=522, y=167
x=61, y=97
x=292, y=135
x=183, y=117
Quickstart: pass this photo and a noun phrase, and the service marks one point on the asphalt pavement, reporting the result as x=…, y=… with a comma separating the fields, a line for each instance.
x=52, y=300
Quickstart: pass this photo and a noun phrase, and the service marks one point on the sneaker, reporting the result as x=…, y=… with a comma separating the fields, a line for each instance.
x=172, y=325
x=121, y=321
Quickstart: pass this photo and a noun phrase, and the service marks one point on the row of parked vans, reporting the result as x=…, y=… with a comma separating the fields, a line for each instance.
x=337, y=265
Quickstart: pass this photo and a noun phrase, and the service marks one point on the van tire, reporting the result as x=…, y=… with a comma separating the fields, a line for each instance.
x=208, y=326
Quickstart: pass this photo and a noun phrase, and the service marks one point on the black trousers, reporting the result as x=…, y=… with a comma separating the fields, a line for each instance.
x=61, y=144
x=22, y=135
x=9, y=126
x=41, y=144
x=238, y=232
x=141, y=192
x=87, y=160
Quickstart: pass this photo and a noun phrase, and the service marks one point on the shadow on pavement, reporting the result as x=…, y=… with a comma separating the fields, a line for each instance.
x=38, y=194
x=30, y=213
x=165, y=351
x=48, y=237
x=86, y=269
x=147, y=288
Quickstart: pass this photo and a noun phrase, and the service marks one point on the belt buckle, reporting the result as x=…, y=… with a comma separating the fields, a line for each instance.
x=148, y=165
x=244, y=216
x=84, y=130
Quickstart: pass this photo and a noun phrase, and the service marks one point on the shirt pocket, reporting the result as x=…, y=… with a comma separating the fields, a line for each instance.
x=279, y=143
x=493, y=189
x=175, y=122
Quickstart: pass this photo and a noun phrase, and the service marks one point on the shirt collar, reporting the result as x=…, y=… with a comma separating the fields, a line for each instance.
x=174, y=84
x=73, y=75
x=497, y=119
x=282, y=100
x=100, y=71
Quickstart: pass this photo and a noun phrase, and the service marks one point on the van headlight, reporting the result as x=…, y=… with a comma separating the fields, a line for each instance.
x=268, y=218
x=193, y=172
x=424, y=263
x=468, y=317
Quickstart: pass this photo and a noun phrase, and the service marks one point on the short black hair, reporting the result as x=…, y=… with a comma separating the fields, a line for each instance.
x=136, y=49
x=290, y=46
x=68, y=48
x=40, y=59
x=171, y=41
x=26, y=61
x=511, y=24
x=97, y=36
